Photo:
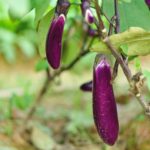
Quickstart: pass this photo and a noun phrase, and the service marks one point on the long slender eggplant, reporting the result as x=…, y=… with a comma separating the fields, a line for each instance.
x=104, y=105
x=54, y=36
x=54, y=41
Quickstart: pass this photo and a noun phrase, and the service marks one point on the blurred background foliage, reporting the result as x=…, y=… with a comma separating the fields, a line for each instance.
x=66, y=113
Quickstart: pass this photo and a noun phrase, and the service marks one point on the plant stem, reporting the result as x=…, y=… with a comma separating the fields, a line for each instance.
x=100, y=26
x=117, y=30
x=121, y=61
x=49, y=79
x=119, y=58
x=117, y=17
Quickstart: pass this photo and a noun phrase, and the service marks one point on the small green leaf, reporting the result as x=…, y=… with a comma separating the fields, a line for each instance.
x=136, y=39
x=137, y=64
x=43, y=28
x=9, y=52
x=41, y=65
x=19, y=8
x=26, y=47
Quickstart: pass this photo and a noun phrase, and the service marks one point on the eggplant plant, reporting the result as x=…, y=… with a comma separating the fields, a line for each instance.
x=106, y=30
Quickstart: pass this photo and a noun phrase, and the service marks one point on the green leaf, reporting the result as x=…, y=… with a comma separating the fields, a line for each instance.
x=22, y=102
x=9, y=52
x=124, y=48
x=135, y=39
x=137, y=64
x=41, y=65
x=134, y=13
x=43, y=28
x=26, y=47
x=19, y=8
x=40, y=8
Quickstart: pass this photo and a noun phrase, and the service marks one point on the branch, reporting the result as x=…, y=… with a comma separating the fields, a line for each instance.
x=133, y=83
x=117, y=17
x=117, y=30
x=100, y=26
x=49, y=79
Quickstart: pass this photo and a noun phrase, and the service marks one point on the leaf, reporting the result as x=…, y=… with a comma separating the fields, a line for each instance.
x=41, y=65
x=41, y=140
x=19, y=8
x=134, y=13
x=40, y=8
x=124, y=48
x=43, y=28
x=137, y=64
x=26, y=47
x=135, y=39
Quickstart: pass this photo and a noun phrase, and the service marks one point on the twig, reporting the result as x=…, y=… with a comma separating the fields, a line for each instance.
x=117, y=30
x=129, y=77
x=111, y=27
x=119, y=58
x=117, y=17
x=100, y=26
x=38, y=99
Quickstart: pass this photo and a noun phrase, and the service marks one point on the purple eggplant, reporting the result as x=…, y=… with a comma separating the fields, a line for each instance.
x=92, y=32
x=54, y=41
x=87, y=87
x=54, y=36
x=147, y=3
x=86, y=11
x=104, y=105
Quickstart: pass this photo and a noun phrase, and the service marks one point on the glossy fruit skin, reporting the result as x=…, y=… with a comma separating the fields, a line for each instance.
x=54, y=41
x=148, y=3
x=87, y=87
x=104, y=105
x=55, y=33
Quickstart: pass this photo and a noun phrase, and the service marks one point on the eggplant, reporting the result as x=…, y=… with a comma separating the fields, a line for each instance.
x=92, y=32
x=87, y=87
x=148, y=3
x=54, y=41
x=104, y=105
x=55, y=33
x=86, y=11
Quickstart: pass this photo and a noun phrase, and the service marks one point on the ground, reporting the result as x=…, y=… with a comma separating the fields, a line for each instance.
x=64, y=121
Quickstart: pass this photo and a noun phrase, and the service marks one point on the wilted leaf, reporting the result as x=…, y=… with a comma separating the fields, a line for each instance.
x=136, y=40
x=41, y=140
